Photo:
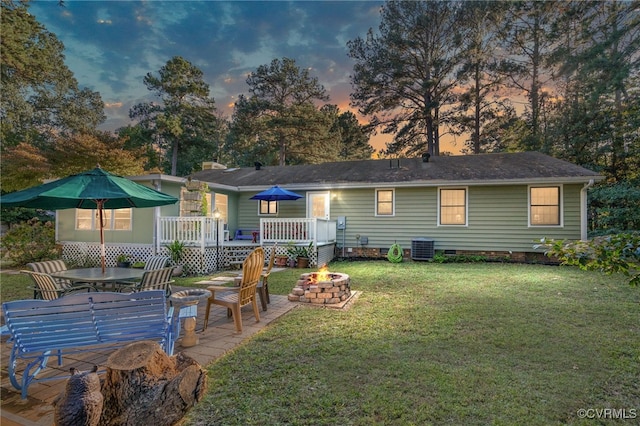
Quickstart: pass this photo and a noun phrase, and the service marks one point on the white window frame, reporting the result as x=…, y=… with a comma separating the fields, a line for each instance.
x=111, y=220
x=560, y=206
x=268, y=204
x=393, y=202
x=466, y=205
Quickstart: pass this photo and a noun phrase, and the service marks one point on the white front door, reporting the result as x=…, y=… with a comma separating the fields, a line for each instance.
x=318, y=205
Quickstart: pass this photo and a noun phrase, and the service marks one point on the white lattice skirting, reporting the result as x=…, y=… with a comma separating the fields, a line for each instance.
x=196, y=262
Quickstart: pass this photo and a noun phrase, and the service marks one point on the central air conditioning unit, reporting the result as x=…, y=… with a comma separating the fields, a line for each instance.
x=422, y=249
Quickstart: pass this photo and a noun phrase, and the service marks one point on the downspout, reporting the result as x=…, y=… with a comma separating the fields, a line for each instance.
x=583, y=210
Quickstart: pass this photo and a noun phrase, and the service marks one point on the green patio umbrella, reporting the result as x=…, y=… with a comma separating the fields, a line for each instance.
x=93, y=189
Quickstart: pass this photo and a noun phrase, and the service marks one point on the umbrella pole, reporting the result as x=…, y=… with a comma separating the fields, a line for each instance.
x=102, y=250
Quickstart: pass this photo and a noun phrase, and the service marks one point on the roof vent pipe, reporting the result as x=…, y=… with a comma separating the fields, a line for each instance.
x=258, y=165
x=425, y=157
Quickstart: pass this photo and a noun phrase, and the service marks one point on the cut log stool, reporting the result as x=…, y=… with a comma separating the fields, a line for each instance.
x=143, y=385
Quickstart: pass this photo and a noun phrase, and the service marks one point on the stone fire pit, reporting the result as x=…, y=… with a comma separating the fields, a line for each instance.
x=321, y=288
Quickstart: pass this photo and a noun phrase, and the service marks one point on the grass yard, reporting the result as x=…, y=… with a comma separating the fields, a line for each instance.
x=433, y=344
x=461, y=344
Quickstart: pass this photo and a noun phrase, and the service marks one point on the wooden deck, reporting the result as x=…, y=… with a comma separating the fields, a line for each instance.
x=219, y=338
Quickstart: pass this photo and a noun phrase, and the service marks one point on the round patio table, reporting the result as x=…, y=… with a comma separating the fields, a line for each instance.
x=96, y=276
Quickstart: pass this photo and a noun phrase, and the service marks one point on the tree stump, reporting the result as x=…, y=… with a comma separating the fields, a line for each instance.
x=80, y=404
x=143, y=385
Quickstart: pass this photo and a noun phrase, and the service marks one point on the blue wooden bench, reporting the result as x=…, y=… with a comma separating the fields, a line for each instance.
x=82, y=322
x=244, y=234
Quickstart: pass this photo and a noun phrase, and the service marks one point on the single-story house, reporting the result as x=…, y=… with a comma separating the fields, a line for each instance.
x=491, y=204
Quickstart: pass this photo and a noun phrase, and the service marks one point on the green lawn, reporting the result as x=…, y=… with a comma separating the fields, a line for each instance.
x=439, y=344
x=459, y=344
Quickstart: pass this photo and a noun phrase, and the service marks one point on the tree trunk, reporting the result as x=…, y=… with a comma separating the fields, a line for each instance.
x=174, y=158
x=143, y=385
x=80, y=404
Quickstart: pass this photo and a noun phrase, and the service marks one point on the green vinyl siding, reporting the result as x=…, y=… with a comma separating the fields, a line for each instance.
x=497, y=219
x=248, y=217
x=141, y=231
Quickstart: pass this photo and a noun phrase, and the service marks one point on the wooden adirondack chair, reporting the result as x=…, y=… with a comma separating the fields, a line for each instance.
x=235, y=298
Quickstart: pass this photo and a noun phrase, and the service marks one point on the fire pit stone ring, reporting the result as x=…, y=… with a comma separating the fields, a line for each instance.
x=321, y=288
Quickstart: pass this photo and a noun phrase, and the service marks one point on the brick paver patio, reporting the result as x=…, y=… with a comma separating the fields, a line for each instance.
x=219, y=338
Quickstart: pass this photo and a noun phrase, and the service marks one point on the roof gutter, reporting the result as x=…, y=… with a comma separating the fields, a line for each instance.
x=584, y=209
x=315, y=186
x=180, y=180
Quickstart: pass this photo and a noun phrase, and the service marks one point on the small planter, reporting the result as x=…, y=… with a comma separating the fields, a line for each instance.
x=303, y=262
x=178, y=270
x=281, y=260
x=123, y=264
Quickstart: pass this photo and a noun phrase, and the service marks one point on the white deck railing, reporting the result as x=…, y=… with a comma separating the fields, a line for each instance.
x=303, y=230
x=192, y=231
x=201, y=231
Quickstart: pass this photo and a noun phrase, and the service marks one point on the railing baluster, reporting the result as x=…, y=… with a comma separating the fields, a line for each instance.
x=202, y=231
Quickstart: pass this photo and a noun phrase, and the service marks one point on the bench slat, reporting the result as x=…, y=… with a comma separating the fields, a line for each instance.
x=83, y=322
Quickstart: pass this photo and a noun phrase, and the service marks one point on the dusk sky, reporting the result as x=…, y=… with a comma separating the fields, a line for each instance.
x=111, y=45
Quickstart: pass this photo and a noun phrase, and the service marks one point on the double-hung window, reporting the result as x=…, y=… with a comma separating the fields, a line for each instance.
x=385, y=202
x=544, y=206
x=268, y=207
x=113, y=219
x=453, y=206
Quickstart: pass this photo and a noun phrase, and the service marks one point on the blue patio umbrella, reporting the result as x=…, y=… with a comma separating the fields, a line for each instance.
x=275, y=193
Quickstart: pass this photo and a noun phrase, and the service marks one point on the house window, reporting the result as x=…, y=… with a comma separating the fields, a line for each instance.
x=221, y=202
x=453, y=206
x=268, y=207
x=113, y=219
x=544, y=206
x=385, y=200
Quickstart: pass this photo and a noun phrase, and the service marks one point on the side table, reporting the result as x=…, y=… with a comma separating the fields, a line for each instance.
x=188, y=301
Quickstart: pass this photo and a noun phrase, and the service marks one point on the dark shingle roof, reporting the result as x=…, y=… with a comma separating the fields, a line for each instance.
x=522, y=166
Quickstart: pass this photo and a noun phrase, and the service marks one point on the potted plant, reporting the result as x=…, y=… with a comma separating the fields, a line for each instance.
x=122, y=261
x=138, y=265
x=176, y=252
x=281, y=260
x=300, y=253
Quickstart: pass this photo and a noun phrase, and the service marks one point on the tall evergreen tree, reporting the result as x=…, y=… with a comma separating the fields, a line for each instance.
x=404, y=76
x=598, y=60
x=40, y=96
x=187, y=115
x=280, y=115
x=479, y=102
x=353, y=138
x=527, y=42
